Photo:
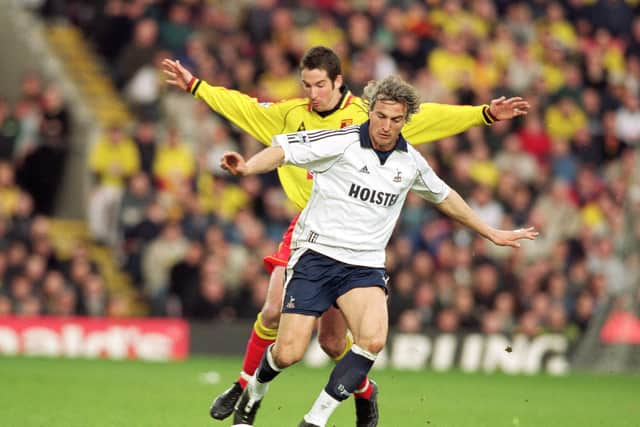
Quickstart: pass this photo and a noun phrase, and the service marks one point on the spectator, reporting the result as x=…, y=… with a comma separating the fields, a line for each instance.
x=9, y=131
x=563, y=119
x=113, y=160
x=41, y=169
x=138, y=53
x=135, y=202
x=145, y=139
x=184, y=278
x=628, y=120
x=174, y=165
x=514, y=159
x=159, y=257
x=9, y=192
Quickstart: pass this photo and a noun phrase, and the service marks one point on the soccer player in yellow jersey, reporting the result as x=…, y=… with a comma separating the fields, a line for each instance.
x=329, y=104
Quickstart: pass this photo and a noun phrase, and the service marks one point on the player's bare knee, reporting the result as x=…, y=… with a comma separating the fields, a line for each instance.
x=285, y=356
x=332, y=345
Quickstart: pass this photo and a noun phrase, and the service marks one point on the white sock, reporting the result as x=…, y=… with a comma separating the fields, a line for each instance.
x=257, y=390
x=322, y=409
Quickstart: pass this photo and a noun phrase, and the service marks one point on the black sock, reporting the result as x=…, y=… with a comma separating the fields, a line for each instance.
x=267, y=370
x=349, y=373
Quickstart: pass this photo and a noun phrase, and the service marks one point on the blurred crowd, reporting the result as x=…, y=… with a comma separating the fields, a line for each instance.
x=34, y=279
x=193, y=238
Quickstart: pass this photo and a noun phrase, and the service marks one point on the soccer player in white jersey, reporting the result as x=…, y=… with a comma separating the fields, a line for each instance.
x=362, y=175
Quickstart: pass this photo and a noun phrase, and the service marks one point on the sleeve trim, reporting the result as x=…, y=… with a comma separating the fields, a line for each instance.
x=487, y=117
x=194, y=88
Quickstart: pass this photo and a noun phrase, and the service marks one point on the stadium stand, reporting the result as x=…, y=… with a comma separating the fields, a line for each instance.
x=191, y=238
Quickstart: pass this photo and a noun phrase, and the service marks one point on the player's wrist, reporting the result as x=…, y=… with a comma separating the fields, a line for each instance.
x=489, y=116
x=191, y=84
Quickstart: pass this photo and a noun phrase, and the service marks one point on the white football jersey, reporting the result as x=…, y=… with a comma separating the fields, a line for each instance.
x=356, y=198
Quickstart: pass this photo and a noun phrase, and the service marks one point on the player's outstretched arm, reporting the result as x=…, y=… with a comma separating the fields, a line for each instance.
x=436, y=121
x=261, y=121
x=455, y=207
x=264, y=161
x=178, y=75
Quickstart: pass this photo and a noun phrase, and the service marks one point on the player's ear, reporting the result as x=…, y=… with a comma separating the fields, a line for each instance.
x=338, y=81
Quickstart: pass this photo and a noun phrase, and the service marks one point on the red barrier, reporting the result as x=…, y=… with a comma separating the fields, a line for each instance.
x=147, y=339
x=622, y=327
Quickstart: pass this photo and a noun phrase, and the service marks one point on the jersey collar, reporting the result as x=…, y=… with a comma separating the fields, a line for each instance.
x=345, y=100
x=365, y=141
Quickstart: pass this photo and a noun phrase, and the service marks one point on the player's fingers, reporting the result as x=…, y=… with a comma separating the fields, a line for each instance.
x=224, y=165
x=526, y=233
x=520, y=110
x=511, y=243
x=230, y=159
x=168, y=63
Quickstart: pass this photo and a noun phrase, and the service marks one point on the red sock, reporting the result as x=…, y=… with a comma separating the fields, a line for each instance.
x=366, y=392
x=256, y=347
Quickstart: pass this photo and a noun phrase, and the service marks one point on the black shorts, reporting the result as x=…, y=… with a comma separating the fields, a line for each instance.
x=316, y=281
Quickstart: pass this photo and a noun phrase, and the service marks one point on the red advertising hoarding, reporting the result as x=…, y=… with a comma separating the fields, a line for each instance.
x=146, y=339
x=621, y=327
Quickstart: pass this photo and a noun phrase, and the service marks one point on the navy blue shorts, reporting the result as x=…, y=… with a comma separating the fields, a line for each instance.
x=315, y=282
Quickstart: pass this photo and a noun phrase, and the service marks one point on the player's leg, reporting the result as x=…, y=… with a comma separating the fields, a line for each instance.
x=365, y=310
x=264, y=333
x=265, y=328
x=336, y=342
x=305, y=299
x=333, y=334
x=293, y=339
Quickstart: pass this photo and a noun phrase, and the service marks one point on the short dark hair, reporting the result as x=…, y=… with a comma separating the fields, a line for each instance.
x=322, y=58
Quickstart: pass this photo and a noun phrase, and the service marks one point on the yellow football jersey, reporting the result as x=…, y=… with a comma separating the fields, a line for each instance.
x=265, y=120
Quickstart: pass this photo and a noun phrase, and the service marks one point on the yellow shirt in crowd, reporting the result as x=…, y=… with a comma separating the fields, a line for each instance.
x=173, y=165
x=114, y=162
x=560, y=125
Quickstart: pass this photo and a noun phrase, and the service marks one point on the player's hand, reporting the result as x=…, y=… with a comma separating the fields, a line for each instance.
x=177, y=75
x=511, y=237
x=506, y=109
x=233, y=163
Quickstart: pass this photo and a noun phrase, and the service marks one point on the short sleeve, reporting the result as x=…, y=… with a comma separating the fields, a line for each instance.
x=427, y=183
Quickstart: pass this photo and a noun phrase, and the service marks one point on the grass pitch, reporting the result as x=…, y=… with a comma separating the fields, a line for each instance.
x=96, y=393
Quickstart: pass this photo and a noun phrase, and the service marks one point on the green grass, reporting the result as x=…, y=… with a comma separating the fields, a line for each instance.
x=69, y=393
